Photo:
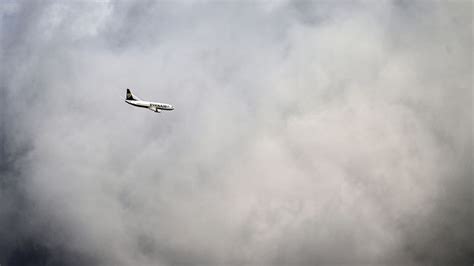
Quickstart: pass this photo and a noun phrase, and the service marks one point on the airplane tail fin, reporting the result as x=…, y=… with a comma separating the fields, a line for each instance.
x=130, y=96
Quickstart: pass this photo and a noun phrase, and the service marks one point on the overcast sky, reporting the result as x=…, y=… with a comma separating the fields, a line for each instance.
x=305, y=133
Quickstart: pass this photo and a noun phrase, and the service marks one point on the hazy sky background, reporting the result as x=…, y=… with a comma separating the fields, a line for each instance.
x=305, y=133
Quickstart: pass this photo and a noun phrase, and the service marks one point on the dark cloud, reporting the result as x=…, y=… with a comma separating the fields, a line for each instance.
x=305, y=133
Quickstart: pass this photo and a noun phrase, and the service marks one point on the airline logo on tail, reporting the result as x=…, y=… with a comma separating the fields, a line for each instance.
x=129, y=95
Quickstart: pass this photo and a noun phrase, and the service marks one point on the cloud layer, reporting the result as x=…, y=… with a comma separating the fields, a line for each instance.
x=305, y=133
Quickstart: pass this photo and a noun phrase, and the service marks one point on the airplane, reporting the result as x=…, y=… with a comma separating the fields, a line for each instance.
x=155, y=107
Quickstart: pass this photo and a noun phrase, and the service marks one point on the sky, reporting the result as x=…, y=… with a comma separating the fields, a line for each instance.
x=304, y=133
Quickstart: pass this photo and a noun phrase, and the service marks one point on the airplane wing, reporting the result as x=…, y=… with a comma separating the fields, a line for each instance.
x=154, y=109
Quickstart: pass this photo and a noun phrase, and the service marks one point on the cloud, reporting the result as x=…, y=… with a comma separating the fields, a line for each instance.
x=304, y=133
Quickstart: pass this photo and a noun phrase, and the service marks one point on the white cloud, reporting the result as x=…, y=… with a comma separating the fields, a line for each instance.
x=304, y=133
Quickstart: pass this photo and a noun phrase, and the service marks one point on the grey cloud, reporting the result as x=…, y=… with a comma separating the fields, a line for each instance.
x=305, y=133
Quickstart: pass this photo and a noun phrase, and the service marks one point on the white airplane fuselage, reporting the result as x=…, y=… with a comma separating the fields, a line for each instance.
x=154, y=106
